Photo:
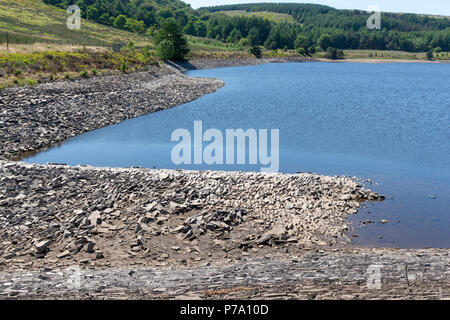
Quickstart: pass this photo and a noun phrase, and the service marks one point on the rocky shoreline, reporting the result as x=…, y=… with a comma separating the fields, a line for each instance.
x=58, y=215
x=109, y=221
x=36, y=117
x=221, y=63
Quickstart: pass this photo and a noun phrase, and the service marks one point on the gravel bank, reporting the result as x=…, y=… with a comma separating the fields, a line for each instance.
x=222, y=63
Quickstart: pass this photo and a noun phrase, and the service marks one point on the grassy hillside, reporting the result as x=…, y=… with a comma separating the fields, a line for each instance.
x=347, y=29
x=272, y=16
x=33, y=21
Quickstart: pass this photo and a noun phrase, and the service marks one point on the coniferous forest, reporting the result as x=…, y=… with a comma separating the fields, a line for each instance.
x=314, y=26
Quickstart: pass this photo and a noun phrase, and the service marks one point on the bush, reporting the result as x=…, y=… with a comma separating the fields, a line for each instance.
x=430, y=55
x=334, y=54
x=84, y=74
x=256, y=51
x=123, y=67
x=171, y=32
x=94, y=72
x=244, y=42
x=438, y=50
x=31, y=82
x=301, y=51
x=146, y=51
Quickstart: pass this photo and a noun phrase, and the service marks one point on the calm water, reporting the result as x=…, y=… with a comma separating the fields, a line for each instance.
x=386, y=122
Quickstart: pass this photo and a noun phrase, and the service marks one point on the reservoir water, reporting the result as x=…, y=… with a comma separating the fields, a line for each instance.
x=389, y=123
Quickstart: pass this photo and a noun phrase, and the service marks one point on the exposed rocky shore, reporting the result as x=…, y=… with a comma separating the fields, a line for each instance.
x=221, y=63
x=33, y=118
x=59, y=215
x=138, y=233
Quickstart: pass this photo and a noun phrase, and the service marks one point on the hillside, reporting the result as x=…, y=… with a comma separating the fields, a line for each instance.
x=272, y=16
x=273, y=25
x=34, y=21
x=347, y=28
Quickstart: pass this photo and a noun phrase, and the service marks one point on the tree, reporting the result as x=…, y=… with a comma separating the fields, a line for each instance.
x=430, y=55
x=104, y=18
x=120, y=22
x=200, y=29
x=190, y=29
x=301, y=44
x=235, y=36
x=165, y=50
x=92, y=13
x=135, y=26
x=253, y=37
x=324, y=41
x=244, y=43
x=171, y=31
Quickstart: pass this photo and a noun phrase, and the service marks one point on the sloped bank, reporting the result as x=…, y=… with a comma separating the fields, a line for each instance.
x=222, y=63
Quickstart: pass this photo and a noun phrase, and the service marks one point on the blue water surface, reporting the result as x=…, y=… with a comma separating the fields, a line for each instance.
x=386, y=122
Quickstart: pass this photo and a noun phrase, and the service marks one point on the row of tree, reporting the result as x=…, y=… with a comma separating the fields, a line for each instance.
x=316, y=26
x=348, y=28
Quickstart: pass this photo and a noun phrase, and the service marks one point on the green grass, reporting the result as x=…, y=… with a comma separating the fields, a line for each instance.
x=29, y=21
x=386, y=54
x=20, y=69
x=204, y=44
x=272, y=16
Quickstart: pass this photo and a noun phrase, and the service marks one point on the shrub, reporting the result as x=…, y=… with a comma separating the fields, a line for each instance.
x=123, y=67
x=256, y=51
x=94, y=72
x=301, y=51
x=170, y=31
x=31, y=82
x=244, y=42
x=334, y=54
x=84, y=74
